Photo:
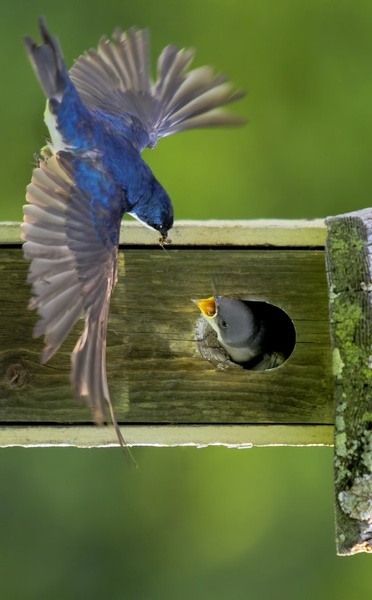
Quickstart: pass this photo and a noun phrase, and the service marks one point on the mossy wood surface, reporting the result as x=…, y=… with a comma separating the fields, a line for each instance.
x=349, y=268
x=156, y=374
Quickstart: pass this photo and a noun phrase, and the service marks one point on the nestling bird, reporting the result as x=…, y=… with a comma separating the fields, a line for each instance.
x=101, y=115
x=238, y=329
x=257, y=335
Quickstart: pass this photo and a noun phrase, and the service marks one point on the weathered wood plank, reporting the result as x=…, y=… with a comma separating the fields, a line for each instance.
x=236, y=436
x=259, y=232
x=156, y=374
x=349, y=268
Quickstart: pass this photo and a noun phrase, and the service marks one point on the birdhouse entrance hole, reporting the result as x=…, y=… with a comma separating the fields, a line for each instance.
x=278, y=345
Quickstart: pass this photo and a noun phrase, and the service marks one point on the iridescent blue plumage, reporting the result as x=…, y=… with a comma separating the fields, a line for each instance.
x=101, y=115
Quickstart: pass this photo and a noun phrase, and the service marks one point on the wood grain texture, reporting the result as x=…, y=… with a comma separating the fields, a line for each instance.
x=199, y=436
x=257, y=232
x=349, y=268
x=155, y=372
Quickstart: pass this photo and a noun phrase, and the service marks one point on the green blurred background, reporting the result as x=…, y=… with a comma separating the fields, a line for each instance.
x=212, y=523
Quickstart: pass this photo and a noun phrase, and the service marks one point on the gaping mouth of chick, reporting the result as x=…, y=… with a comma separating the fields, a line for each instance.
x=207, y=306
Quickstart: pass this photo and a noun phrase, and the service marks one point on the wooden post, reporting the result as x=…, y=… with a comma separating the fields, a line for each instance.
x=349, y=270
x=164, y=391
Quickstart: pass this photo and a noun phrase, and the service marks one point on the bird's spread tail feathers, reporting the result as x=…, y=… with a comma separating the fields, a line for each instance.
x=88, y=372
x=48, y=63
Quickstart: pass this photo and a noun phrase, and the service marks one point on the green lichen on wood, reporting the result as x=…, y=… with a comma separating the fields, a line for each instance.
x=337, y=363
x=357, y=500
x=347, y=318
x=349, y=279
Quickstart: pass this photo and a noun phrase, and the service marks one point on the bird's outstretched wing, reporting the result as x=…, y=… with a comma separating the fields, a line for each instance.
x=72, y=275
x=116, y=79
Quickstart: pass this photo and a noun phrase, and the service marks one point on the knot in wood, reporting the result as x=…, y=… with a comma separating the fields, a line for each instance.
x=16, y=376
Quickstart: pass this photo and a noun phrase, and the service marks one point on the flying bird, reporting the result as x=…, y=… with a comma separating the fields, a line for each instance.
x=101, y=115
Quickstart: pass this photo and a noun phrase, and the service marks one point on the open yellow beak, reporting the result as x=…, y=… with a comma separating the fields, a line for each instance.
x=207, y=306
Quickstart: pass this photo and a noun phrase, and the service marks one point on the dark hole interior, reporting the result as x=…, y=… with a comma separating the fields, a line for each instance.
x=280, y=336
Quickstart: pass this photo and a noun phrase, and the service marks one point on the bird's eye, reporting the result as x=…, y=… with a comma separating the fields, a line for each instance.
x=223, y=324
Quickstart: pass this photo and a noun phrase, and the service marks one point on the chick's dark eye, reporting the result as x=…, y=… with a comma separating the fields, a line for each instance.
x=223, y=324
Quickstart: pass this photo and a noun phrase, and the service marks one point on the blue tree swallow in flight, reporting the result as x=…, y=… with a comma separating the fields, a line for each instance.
x=101, y=115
